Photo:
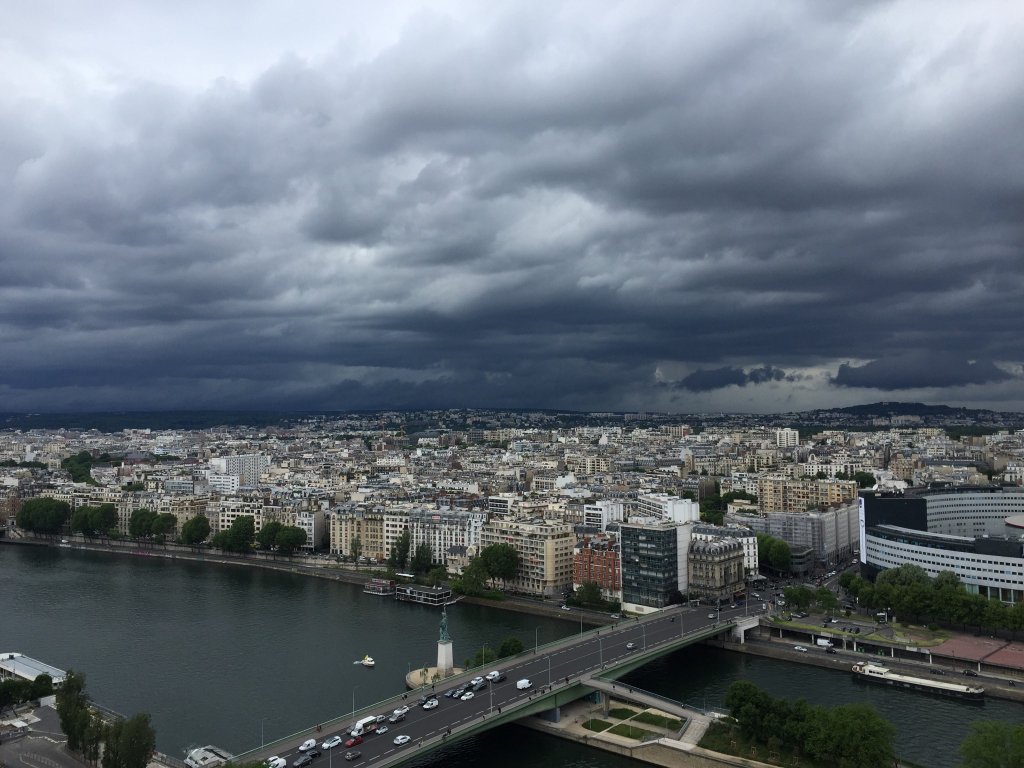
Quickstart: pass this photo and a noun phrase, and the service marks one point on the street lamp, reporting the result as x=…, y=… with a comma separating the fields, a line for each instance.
x=549, y=670
x=262, y=742
x=354, y=689
x=536, y=643
x=644, y=630
x=600, y=650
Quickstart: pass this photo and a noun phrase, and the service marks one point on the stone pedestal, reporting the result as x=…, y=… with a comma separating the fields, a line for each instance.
x=445, y=663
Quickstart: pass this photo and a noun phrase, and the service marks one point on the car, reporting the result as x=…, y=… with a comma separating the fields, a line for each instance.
x=382, y=729
x=835, y=621
x=970, y=673
x=307, y=745
x=331, y=743
x=430, y=704
x=354, y=741
x=302, y=761
x=396, y=718
x=428, y=697
x=353, y=754
x=493, y=676
x=467, y=696
x=830, y=650
x=402, y=710
x=276, y=762
x=734, y=606
x=799, y=648
x=458, y=692
x=936, y=671
x=616, y=616
x=566, y=608
x=400, y=740
x=475, y=681
x=523, y=684
x=450, y=693
x=382, y=718
x=479, y=686
x=711, y=615
x=630, y=646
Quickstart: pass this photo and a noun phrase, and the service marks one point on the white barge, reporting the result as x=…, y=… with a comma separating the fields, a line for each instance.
x=876, y=673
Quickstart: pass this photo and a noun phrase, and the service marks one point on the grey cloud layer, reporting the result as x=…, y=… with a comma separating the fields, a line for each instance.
x=543, y=211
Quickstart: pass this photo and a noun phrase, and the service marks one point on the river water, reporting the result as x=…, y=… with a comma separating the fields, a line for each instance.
x=231, y=656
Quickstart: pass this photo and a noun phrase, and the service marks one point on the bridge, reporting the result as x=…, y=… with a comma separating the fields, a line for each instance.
x=559, y=673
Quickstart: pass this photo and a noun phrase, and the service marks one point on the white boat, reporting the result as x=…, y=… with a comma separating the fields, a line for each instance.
x=367, y=661
x=876, y=673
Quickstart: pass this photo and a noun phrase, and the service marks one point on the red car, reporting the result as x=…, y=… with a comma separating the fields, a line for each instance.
x=353, y=741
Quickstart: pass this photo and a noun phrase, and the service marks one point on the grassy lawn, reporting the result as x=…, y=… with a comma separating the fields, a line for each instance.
x=661, y=721
x=597, y=725
x=632, y=732
x=622, y=713
x=722, y=737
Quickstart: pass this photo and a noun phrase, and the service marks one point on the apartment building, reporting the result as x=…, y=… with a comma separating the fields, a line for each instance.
x=654, y=554
x=746, y=538
x=776, y=493
x=445, y=531
x=545, y=550
x=248, y=467
x=716, y=571
x=674, y=508
x=596, y=560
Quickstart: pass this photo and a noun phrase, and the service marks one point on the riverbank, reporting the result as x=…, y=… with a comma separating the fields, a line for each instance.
x=843, y=661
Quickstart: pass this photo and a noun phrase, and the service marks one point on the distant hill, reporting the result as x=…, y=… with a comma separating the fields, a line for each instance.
x=910, y=409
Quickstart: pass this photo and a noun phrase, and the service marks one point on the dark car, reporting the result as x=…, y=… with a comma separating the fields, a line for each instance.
x=450, y=693
x=354, y=741
x=970, y=673
x=830, y=650
x=936, y=671
x=302, y=760
x=353, y=754
x=458, y=692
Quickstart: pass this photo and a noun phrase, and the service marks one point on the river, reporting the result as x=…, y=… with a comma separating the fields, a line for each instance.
x=232, y=655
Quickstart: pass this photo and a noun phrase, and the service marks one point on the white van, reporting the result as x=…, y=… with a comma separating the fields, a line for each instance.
x=523, y=684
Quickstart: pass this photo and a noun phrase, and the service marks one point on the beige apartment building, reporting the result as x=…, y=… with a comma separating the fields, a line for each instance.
x=545, y=550
x=377, y=528
x=782, y=494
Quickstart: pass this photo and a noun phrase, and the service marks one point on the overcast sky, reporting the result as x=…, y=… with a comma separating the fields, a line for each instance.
x=598, y=206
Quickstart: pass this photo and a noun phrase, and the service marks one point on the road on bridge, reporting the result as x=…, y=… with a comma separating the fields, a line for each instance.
x=557, y=664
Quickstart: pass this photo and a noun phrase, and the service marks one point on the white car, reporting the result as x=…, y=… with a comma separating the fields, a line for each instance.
x=331, y=743
x=799, y=648
x=630, y=646
x=402, y=710
x=492, y=676
x=467, y=696
x=382, y=729
x=400, y=740
x=307, y=745
x=430, y=703
x=276, y=762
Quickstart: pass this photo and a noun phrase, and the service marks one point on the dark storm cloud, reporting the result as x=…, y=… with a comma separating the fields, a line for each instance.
x=916, y=370
x=543, y=208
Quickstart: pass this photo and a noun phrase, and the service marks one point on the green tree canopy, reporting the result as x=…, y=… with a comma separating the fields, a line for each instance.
x=399, y=554
x=993, y=744
x=501, y=561
x=289, y=539
x=241, y=534
x=195, y=530
x=422, y=559
x=73, y=710
x=43, y=515
x=140, y=524
x=267, y=537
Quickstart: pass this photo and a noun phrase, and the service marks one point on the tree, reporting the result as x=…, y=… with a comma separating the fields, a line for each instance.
x=501, y=561
x=399, y=554
x=826, y=599
x=140, y=524
x=164, y=524
x=864, y=479
x=510, y=646
x=473, y=581
x=267, y=537
x=589, y=593
x=289, y=539
x=356, y=547
x=104, y=518
x=993, y=744
x=195, y=530
x=422, y=559
x=136, y=741
x=241, y=534
x=798, y=597
x=73, y=709
x=43, y=515
x=81, y=521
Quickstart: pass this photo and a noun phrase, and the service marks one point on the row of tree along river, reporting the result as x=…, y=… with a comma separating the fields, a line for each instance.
x=231, y=656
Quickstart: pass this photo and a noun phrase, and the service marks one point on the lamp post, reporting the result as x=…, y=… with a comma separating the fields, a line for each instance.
x=644, y=630
x=354, y=689
x=600, y=650
x=536, y=642
x=549, y=669
x=262, y=742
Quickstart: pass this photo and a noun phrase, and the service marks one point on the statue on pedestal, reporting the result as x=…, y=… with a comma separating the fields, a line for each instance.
x=444, y=626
